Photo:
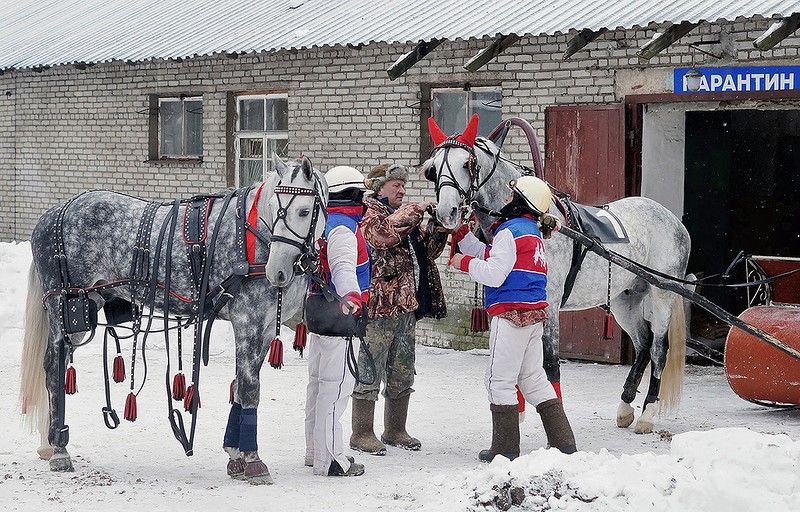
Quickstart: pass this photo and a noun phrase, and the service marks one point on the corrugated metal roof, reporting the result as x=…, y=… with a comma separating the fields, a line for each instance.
x=52, y=32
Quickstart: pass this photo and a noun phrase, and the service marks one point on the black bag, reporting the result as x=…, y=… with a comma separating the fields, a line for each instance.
x=325, y=317
x=79, y=313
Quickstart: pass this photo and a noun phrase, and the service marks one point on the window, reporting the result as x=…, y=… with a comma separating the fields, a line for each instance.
x=452, y=108
x=262, y=127
x=180, y=127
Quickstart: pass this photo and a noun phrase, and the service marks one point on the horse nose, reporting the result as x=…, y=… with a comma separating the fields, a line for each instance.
x=454, y=211
x=281, y=277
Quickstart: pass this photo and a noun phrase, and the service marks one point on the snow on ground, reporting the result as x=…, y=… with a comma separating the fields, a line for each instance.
x=718, y=453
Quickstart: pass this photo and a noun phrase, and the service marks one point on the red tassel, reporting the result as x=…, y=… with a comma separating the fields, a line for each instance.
x=300, y=334
x=130, y=407
x=119, y=369
x=520, y=401
x=479, y=321
x=608, y=327
x=71, y=384
x=276, y=354
x=484, y=320
x=179, y=386
x=233, y=383
x=187, y=402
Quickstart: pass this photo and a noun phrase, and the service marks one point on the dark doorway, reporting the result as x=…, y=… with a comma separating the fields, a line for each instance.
x=742, y=191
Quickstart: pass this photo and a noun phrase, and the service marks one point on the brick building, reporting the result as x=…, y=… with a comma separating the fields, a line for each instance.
x=172, y=119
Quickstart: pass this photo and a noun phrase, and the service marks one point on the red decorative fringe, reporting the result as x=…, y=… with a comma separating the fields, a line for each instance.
x=520, y=401
x=71, y=383
x=300, y=335
x=479, y=321
x=187, y=402
x=130, y=407
x=608, y=327
x=230, y=399
x=119, y=369
x=179, y=386
x=276, y=354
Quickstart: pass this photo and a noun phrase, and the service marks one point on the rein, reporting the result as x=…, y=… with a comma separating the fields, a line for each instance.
x=473, y=168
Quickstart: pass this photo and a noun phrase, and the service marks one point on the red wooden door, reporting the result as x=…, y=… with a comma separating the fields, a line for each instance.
x=585, y=157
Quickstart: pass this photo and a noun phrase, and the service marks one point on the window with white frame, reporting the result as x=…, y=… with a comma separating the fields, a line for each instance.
x=452, y=108
x=180, y=127
x=262, y=127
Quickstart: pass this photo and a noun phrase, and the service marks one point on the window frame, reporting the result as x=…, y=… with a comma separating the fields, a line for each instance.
x=184, y=155
x=426, y=110
x=265, y=135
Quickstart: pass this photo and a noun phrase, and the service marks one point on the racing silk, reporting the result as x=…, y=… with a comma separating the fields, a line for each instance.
x=343, y=237
x=513, y=268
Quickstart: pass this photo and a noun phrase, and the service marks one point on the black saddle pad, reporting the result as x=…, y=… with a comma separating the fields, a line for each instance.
x=600, y=223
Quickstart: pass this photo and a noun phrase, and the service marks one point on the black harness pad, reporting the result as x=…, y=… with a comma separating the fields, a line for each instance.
x=600, y=223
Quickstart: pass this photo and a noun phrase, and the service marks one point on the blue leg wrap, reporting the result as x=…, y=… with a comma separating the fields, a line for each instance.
x=247, y=441
x=231, y=439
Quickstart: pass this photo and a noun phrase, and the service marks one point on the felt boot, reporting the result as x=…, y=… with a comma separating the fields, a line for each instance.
x=556, y=426
x=363, y=438
x=505, y=433
x=394, y=424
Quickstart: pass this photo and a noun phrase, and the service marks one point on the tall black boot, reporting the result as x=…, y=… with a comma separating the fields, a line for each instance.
x=556, y=425
x=505, y=433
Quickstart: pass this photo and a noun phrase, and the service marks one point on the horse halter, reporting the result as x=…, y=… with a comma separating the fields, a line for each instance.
x=447, y=179
x=306, y=243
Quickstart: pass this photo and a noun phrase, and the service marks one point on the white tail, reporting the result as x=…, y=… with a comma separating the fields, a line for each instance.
x=672, y=376
x=33, y=391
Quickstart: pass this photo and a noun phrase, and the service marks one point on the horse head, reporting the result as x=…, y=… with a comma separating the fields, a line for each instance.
x=296, y=216
x=461, y=166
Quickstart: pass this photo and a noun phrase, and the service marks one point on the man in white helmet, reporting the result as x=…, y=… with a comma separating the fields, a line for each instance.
x=514, y=272
x=345, y=262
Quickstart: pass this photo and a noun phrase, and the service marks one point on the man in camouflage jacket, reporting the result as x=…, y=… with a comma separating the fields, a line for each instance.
x=405, y=286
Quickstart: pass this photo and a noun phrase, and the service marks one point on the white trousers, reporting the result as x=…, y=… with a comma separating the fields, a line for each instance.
x=516, y=357
x=329, y=386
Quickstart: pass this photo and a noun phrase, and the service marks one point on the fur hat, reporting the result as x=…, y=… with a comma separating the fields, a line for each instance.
x=382, y=173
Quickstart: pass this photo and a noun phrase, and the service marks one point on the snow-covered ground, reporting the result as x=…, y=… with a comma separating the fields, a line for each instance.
x=718, y=453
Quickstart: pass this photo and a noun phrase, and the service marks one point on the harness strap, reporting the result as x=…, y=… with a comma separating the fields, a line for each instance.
x=110, y=416
x=140, y=268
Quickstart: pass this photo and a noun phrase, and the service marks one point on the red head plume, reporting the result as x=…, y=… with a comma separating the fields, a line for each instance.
x=468, y=137
x=437, y=134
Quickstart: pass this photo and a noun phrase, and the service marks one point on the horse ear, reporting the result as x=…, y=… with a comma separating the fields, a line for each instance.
x=307, y=168
x=280, y=165
x=468, y=137
x=437, y=135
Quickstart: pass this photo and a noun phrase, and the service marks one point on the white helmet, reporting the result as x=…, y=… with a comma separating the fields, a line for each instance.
x=535, y=192
x=342, y=177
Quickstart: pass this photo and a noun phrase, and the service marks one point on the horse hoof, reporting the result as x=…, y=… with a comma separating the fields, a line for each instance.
x=62, y=464
x=256, y=473
x=644, y=427
x=45, y=452
x=624, y=415
x=236, y=468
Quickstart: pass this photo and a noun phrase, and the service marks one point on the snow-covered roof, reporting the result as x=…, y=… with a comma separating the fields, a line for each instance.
x=52, y=32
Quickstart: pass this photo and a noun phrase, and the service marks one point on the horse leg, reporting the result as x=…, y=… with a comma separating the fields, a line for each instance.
x=230, y=442
x=250, y=355
x=644, y=425
x=58, y=436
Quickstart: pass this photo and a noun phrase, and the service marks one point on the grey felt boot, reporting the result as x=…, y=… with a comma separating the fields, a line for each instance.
x=556, y=425
x=505, y=433
x=363, y=438
x=394, y=424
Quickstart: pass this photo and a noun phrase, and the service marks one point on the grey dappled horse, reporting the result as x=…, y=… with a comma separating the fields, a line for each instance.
x=99, y=230
x=657, y=240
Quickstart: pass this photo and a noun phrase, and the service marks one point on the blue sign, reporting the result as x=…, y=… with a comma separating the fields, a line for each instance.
x=762, y=78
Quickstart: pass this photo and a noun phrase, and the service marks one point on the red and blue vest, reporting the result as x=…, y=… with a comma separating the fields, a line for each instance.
x=347, y=216
x=526, y=284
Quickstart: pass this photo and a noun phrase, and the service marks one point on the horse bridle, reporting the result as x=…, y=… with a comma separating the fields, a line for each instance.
x=307, y=259
x=447, y=179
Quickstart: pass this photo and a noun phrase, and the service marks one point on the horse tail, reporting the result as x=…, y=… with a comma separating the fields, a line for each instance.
x=33, y=391
x=672, y=376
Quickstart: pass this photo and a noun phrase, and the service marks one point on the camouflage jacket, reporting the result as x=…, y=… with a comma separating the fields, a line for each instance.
x=389, y=235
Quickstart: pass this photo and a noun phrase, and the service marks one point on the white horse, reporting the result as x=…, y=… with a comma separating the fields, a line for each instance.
x=85, y=249
x=469, y=169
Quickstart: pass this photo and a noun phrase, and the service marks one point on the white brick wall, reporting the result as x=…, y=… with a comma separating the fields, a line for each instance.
x=65, y=130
